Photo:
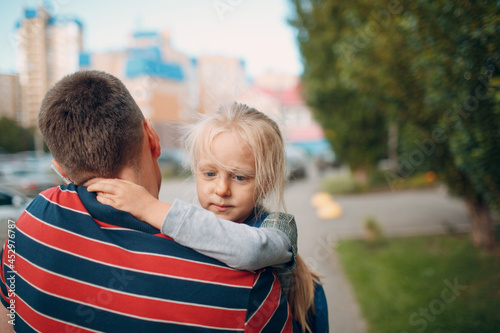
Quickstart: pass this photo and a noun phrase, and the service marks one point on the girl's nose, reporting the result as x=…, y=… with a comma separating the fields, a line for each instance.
x=223, y=187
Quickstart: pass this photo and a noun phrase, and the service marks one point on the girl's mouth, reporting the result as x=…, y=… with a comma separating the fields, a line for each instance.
x=221, y=208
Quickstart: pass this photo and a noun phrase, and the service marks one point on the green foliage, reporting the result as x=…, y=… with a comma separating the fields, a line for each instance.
x=372, y=228
x=14, y=138
x=343, y=90
x=340, y=185
x=379, y=182
x=430, y=66
x=403, y=285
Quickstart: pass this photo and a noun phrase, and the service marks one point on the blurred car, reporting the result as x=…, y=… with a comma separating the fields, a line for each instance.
x=172, y=161
x=29, y=183
x=296, y=160
x=27, y=174
x=12, y=204
x=326, y=159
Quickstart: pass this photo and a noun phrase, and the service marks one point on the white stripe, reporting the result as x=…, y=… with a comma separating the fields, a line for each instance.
x=55, y=319
x=265, y=299
x=64, y=207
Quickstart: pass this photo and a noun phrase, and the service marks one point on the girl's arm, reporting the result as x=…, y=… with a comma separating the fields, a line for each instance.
x=237, y=245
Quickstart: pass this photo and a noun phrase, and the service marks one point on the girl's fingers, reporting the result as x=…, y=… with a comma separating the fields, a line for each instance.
x=104, y=199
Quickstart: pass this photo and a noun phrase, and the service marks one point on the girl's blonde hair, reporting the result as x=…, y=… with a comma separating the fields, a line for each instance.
x=301, y=297
x=259, y=133
x=263, y=137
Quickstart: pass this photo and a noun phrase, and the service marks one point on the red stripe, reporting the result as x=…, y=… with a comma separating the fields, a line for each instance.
x=146, y=262
x=129, y=304
x=43, y=323
x=65, y=198
x=266, y=311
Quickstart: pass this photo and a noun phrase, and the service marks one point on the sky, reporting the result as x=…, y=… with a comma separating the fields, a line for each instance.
x=253, y=30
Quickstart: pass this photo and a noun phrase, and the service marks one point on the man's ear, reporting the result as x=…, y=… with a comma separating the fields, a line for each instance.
x=153, y=139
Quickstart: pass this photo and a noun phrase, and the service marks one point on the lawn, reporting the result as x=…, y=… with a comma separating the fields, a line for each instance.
x=432, y=284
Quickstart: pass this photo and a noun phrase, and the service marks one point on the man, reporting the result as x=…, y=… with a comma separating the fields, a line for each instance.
x=74, y=265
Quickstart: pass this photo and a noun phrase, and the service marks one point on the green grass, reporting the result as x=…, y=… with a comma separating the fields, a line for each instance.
x=424, y=284
x=378, y=182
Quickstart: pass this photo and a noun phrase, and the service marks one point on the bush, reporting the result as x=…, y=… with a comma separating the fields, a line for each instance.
x=340, y=185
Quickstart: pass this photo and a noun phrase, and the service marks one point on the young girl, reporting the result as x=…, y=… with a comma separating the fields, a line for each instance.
x=237, y=156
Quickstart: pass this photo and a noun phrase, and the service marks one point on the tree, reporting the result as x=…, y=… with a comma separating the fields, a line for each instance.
x=345, y=96
x=432, y=67
x=14, y=138
x=458, y=62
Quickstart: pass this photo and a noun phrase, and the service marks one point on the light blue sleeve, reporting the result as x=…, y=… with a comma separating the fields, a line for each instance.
x=237, y=245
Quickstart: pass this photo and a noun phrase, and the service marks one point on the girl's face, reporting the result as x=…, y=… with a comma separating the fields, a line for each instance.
x=228, y=191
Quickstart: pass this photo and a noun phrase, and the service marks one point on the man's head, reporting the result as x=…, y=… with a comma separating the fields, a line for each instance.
x=92, y=126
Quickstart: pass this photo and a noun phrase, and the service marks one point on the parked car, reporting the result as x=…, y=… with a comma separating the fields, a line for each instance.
x=172, y=162
x=326, y=159
x=296, y=160
x=28, y=182
x=28, y=174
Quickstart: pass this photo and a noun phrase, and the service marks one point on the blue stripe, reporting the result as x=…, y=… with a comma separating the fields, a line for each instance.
x=274, y=326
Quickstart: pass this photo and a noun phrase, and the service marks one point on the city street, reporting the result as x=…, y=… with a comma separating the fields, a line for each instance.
x=399, y=213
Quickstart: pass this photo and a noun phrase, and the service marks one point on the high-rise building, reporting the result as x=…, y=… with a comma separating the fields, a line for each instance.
x=48, y=49
x=10, y=99
x=221, y=80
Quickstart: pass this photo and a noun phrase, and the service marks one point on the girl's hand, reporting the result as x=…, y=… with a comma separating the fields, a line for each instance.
x=130, y=197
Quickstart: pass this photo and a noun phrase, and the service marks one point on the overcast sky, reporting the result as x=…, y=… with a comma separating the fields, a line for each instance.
x=254, y=30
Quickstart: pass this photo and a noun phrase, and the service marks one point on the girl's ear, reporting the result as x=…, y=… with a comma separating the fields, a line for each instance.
x=154, y=140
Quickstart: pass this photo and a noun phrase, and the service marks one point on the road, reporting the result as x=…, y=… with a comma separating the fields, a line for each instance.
x=399, y=213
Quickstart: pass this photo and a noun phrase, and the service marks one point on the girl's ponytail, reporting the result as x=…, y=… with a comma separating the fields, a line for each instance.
x=301, y=296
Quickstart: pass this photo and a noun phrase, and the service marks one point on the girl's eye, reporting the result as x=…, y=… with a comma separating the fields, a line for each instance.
x=210, y=174
x=240, y=178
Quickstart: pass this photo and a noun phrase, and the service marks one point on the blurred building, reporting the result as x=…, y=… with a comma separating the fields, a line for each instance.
x=279, y=96
x=221, y=80
x=162, y=80
x=10, y=96
x=48, y=49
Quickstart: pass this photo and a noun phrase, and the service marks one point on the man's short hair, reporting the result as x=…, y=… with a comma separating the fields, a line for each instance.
x=91, y=125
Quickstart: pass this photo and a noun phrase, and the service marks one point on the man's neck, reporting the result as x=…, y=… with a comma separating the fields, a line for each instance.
x=130, y=175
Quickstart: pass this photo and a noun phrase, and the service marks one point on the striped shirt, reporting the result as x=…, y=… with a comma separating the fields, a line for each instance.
x=74, y=265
